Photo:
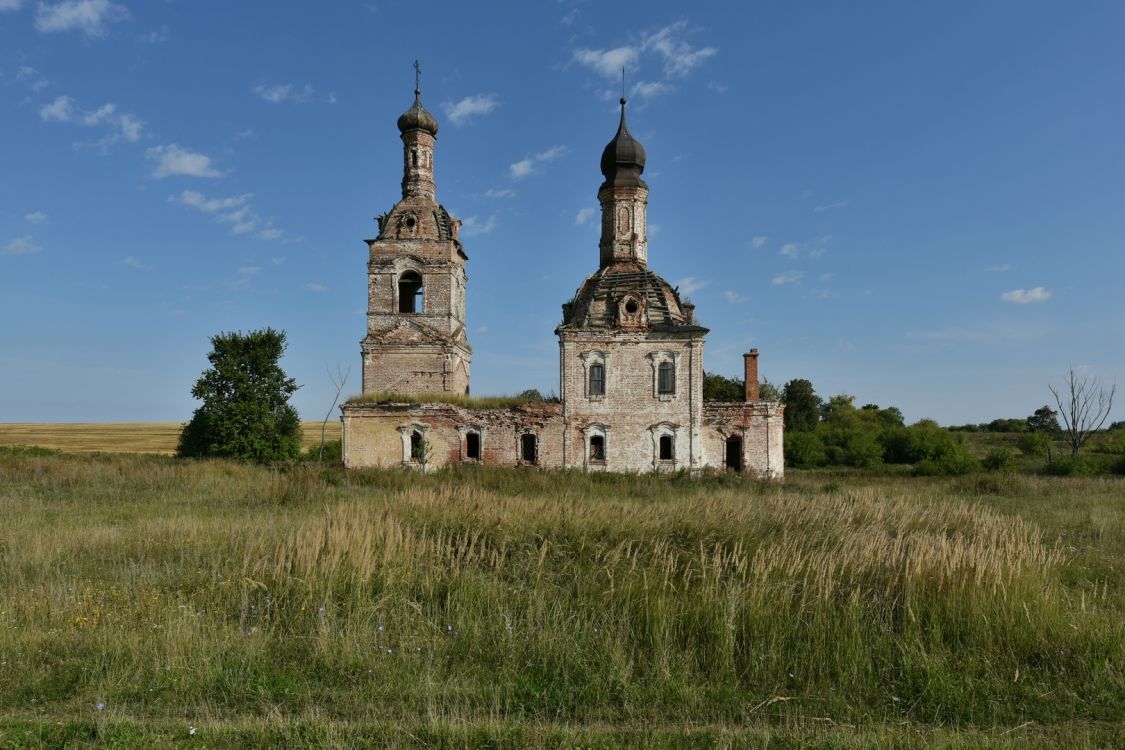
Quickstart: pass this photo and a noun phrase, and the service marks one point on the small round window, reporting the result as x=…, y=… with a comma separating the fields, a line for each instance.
x=631, y=307
x=410, y=222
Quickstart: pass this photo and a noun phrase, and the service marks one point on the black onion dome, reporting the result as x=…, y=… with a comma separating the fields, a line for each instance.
x=417, y=118
x=623, y=159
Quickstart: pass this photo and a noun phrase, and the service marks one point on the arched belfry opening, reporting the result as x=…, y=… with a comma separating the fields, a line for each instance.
x=410, y=292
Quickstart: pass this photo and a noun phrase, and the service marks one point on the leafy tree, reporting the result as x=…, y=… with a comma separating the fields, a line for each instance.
x=246, y=412
x=1044, y=428
x=804, y=450
x=802, y=406
x=720, y=388
x=769, y=392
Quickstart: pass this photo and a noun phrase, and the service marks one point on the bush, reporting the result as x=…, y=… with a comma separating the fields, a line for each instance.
x=954, y=461
x=999, y=459
x=1068, y=466
x=804, y=450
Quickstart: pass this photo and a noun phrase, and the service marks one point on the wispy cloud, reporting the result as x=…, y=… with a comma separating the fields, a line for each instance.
x=830, y=206
x=474, y=226
x=20, y=246
x=171, y=160
x=691, y=285
x=122, y=126
x=759, y=241
x=470, y=107
x=787, y=277
x=680, y=57
x=529, y=165
x=317, y=288
x=789, y=250
x=734, y=297
x=585, y=215
x=136, y=263
x=1026, y=296
x=999, y=268
x=718, y=88
x=28, y=75
x=278, y=93
x=235, y=210
x=6, y=5
x=36, y=217
x=91, y=17
x=608, y=62
x=499, y=193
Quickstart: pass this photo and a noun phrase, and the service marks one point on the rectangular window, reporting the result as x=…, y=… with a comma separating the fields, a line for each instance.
x=529, y=448
x=472, y=446
x=666, y=378
x=597, y=380
x=597, y=448
x=667, y=452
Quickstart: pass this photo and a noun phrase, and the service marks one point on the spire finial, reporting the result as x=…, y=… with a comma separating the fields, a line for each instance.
x=623, y=88
x=417, y=78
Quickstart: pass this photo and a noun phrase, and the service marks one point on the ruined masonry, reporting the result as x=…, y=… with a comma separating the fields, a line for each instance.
x=630, y=350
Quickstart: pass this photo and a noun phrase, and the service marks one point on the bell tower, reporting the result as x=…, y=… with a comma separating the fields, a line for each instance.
x=416, y=341
x=624, y=200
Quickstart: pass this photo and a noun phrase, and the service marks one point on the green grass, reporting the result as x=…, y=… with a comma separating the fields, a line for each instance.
x=308, y=606
x=468, y=402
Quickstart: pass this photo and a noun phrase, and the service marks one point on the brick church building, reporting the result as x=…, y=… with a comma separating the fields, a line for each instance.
x=630, y=350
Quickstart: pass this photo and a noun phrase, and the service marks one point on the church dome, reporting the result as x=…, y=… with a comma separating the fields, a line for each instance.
x=417, y=117
x=623, y=159
x=600, y=300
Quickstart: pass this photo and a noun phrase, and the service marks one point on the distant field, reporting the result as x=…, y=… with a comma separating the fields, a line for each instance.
x=121, y=437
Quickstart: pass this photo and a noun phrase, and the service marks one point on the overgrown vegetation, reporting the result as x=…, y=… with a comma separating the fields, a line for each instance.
x=468, y=402
x=141, y=597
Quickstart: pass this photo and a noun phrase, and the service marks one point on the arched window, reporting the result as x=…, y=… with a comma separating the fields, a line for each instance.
x=597, y=448
x=667, y=448
x=472, y=446
x=410, y=292
x=666, y=378
x=529, y=448
x=417, y=446
x=597, y=379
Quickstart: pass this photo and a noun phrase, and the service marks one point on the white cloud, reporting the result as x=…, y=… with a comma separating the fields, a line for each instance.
x=250, y=270
x=718, y=88
x=827, y=276
x=35, y=80
x=584, y=215
x=759, y=241
x=999, y=268
x=646, y=90
x=1026, y=296
x=680, y=57
x=60, y=110
x=470, y=107
x=10, y=5
x=283, y=92
x=20, y=246
x=88, y=16
x=137, y=263
x=787, y=277
x=789, y=250
x=830, y=206
x=315, y=287
x=527, y=166
x=608, y=62
x=473, y=226
x=691, y=285
x=236, y=211
x=734, y=297
x=36, y=217
x=172, y=160
x=500, y=193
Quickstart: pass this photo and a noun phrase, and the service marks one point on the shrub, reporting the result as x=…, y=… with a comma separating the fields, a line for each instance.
x=1068, y=466
x=804, y=450
x=999, y=459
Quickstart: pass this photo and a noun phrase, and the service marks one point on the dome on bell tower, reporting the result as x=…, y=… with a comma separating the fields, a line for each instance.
x=623, y=159
x=417, y=117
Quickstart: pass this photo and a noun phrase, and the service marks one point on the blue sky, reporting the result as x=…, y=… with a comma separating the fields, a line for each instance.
x=922, y=205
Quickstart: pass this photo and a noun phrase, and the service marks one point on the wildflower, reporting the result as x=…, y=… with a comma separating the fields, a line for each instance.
x=101, y=706
x=322, y=610
x=896, y=699
x=191, y=731
x=380, y=628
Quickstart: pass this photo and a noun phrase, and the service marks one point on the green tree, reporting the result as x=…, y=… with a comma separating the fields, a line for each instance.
x=720, y=388
x=802, y=406
x=246, y=412
x=767, y=391
x=1044, y=428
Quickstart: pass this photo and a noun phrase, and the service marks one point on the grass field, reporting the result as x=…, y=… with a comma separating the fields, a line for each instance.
x=123, y=437
x=142, y=598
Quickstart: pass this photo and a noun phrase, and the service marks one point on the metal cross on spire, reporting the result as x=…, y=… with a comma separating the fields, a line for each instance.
x=417, y=77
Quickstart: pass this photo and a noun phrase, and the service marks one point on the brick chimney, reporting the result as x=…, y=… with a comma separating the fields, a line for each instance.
x=750, y=360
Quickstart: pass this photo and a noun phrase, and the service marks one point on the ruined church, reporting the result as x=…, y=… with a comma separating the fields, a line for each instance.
x=630, y=350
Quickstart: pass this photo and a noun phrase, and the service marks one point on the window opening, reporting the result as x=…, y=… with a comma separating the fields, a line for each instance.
x=414, y=158
x=666, y=378
x=597, y=380
x=472, y=446
x=410, y=292
x=597, y=448
x=417, y=446
x=734, y=453
x=666, y=450
x=631, y=307
x=529, y=448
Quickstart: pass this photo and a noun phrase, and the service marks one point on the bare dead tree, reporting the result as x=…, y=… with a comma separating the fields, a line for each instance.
x=1084, y=404
x=339, y=379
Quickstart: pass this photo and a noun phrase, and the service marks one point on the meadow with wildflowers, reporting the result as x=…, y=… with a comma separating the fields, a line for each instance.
x=148, y=601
